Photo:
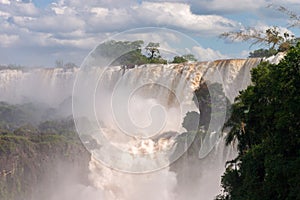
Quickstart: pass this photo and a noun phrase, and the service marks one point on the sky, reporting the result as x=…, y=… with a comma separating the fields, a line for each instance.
x=40, y=32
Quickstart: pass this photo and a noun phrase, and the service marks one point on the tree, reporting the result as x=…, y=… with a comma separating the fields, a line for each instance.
x=270, y=37
x=265, y=121
x=121, y=52
x=190, y=57
x=153, y=50
x=127, y=53
x=184, y=58
x=260, y=53
x=179, y=59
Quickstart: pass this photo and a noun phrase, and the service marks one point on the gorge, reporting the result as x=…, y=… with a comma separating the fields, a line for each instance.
x=194, y=173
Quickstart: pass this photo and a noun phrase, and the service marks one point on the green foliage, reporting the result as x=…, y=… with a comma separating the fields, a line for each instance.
x=179, y=59
x=128, y=53
x=61, y=127
x=184, y=58
x=9, y=143
x=260, y=53
x=157, y=61
x=120, y=52
x=131, y=59
x=131, y=53
x=154, y=57
x=266, y=122
x=114, y=49
x=190, y=57
x=15, y=115
x=28, y=152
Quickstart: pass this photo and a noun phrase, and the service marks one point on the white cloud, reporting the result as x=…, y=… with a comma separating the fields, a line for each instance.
x=19, y=8
x=5, y=1
x=4, y=14
x=77, y=25
x=7, y=40
x=80, y=24
x=207, y=54
x=179, y=15
x=55, y=23
x=97, y=3
x=70, y=15
x=280, y=29
x=100, y=11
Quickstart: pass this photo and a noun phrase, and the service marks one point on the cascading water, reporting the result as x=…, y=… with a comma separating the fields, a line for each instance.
x=194, y=175
x=48, y=86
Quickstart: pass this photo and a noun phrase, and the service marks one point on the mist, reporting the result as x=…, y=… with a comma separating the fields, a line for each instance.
x=131, y=129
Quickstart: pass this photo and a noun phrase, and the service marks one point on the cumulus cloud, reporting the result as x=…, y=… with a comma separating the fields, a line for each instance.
x=51, y=24
x=5, y=2
x=179, y=15
x=207, y=54
x=66, y=24
x=69, y=16
x=18, y=8
x=78, y=25
x=7, y=40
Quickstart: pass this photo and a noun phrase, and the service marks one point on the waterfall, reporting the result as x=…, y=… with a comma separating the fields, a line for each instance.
x=194, y=174
x=29, y=85
x=48, y=86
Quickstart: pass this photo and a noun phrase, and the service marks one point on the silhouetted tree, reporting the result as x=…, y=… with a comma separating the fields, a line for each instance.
x=153, y=50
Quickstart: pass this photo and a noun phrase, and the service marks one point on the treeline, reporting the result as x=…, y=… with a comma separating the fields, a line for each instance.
x=131, y=53
x=265, y=123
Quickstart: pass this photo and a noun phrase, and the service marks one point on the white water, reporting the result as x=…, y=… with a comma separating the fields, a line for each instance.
x=190, y=177
x=17, y=86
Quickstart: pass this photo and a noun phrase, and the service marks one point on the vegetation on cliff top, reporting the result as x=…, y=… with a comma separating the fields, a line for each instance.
x=131, y=53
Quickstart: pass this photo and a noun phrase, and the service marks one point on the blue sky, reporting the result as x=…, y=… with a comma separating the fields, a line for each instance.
x=42, y=3
x=39, y=32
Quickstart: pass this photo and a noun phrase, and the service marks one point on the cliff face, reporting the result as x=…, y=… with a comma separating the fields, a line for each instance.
x=34, y=170
x=16, y=85
x=37, y=160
